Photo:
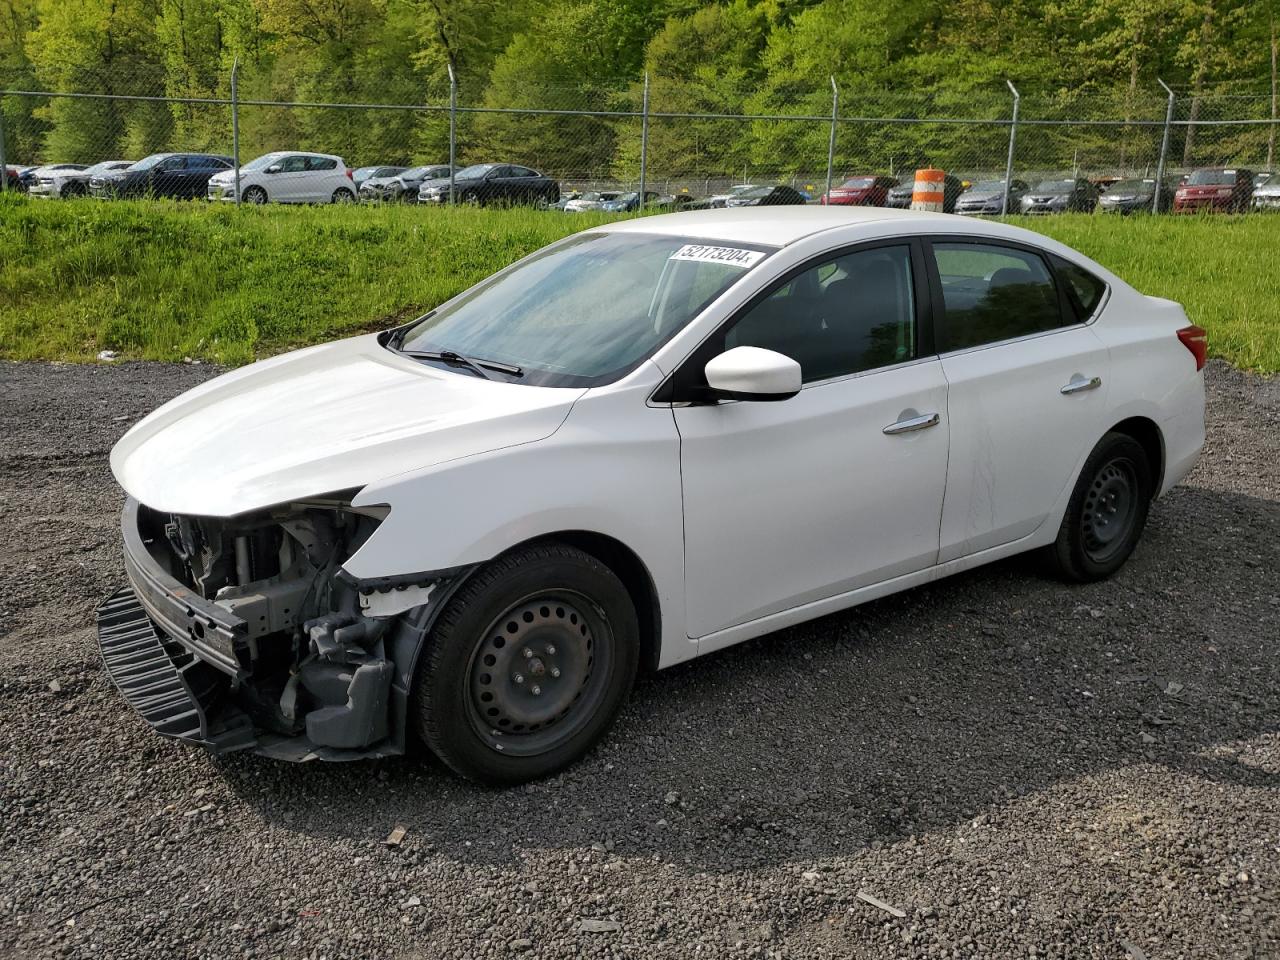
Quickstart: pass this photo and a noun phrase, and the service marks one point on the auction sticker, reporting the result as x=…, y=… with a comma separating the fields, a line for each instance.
x=730, y=256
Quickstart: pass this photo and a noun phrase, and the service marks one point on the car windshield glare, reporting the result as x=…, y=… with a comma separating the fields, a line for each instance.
x=1055, y=186
x=985, y=186
x=262, y=162
x=1209, y=178
x=858, y=183
x=146, y=163
x=588, y=309
x=474, y=172
x=1131, y=186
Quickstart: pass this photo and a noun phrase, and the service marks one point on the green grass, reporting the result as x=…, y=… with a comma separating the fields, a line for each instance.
x=163, y=281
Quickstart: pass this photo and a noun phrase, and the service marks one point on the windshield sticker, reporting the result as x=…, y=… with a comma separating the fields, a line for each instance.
x=729, y=256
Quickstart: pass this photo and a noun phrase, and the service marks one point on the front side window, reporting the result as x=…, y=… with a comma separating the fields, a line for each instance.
x=846, y=315
x=992, y=293
x=293, y=165
x=586, y=310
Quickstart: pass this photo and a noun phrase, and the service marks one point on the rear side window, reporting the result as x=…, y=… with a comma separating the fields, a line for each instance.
x=321, y=163
x=992, y=293
x=1084, y=290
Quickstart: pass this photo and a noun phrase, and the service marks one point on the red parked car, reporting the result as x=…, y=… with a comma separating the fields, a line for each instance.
x=1215, y=188
x=867, y=191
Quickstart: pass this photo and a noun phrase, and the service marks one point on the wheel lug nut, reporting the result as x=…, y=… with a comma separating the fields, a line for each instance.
x=518, y=678
x=526, y=653
x=537, y=690
x=555, y=671
x=551, y=650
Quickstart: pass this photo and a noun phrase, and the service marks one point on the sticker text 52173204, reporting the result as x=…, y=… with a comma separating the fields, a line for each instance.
x=730, y=256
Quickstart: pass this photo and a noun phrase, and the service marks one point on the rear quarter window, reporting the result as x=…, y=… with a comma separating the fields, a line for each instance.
x=1084, y=290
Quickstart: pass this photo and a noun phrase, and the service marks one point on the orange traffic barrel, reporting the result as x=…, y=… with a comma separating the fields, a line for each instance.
x=928, y=192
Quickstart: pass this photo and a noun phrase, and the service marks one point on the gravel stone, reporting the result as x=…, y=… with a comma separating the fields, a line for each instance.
x=936, y=747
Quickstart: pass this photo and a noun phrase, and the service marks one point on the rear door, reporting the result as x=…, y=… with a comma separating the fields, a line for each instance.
x=1027, y=389
x=321, y=180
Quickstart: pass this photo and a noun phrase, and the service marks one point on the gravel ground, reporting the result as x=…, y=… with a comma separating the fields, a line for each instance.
x=1023, y=768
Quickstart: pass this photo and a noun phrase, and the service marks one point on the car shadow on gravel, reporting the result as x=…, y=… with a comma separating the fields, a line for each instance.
x=907, y=715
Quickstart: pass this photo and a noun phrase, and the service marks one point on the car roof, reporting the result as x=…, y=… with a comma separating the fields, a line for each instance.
x=778, y=225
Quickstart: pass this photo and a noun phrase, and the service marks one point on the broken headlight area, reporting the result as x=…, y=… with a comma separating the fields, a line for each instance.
x=239, y=632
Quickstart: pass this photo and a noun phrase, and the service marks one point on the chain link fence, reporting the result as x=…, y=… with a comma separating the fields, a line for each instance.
x=655, y=135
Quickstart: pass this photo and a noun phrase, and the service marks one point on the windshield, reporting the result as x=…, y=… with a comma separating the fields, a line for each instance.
x=586, y=310
x=741, y=189
x=1204, y=178
x=416, y=173
x=1055, y=186
x=986, y=186
x=755, y=193
x=105, y=166
x=146, y=163
x=1131, y=186
x=624, y=198
x=859, y=183
x=474, y=172
x=1266, y=178
x=262, y=162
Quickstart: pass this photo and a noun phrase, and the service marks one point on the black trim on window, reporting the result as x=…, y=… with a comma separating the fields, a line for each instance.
x=688, y=382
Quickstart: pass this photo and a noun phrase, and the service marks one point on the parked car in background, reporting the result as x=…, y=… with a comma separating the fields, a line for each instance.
x=286, y=177
x=870, y=190
x=31, y=177
x=777, y=195
x=177, y=175
x=564, y=199
x=361, y=174
x=591, y=200
x=1105, y=183
x=13, y=179
x=986, y=197
x=1136, y=196
x=644, y=443
x=899, y=197
x=403, y=185
x=1060, y=196
x=70, y=179
x=668, y=203
x=1215, y=189
x=717, y=200
x=1266, y=194
x=628, y=202
x=482, y=184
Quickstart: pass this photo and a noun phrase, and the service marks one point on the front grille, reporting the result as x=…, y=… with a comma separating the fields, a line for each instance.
x=178, y=695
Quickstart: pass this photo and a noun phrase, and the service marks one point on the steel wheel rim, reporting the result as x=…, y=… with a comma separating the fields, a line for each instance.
x=539, y=672
x=1110, y=506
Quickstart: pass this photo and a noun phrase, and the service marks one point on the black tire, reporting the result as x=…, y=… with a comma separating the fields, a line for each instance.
x=546, y=621
x=255, y=195
x=343, y=195
x=1107, y=511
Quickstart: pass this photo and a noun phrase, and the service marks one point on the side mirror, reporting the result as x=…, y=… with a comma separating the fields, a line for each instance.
x=753, y=373
x=274, y=168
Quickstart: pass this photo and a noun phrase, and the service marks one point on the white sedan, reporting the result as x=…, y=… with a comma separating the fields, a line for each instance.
x=287, y=177
x=641, y=444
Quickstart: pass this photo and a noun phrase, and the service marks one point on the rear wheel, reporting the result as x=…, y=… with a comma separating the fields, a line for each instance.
x=527, y=666
x=343, y=195
x=1107, y=512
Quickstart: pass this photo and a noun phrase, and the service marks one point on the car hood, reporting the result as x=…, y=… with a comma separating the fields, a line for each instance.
x=442, y=182
x=320, y=420
x=1048, y=194
x=1267, y=190
x=971, y=197
x=378, y=181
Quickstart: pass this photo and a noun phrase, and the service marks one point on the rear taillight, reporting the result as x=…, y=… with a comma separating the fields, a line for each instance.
x=351, y=175
x=1196, y=340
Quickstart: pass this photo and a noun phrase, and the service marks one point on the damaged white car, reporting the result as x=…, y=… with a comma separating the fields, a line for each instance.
x=646, y=442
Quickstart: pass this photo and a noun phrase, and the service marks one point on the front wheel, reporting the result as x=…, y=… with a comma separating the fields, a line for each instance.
x=1107, y=511
x=527, y=666
x=255, y=195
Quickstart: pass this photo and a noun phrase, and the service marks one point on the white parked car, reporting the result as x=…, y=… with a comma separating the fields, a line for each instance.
x=592, y=200
x=641, y=444
x=67, y=180
x=287, y=177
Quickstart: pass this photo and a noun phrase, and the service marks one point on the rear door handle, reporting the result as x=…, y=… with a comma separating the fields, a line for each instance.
x=1080, y=385
x=911, y=424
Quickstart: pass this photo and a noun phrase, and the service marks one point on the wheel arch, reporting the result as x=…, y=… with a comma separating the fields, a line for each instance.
x=1147, y=433
x=631, y=570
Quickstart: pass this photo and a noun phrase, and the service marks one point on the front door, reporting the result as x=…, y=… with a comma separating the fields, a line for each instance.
x=839, y=487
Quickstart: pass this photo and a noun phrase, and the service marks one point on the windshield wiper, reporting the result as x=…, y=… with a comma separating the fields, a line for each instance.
x=476, y=365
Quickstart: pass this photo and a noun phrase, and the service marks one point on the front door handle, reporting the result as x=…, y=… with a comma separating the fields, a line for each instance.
x=1080, y=385
x=911, y=424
